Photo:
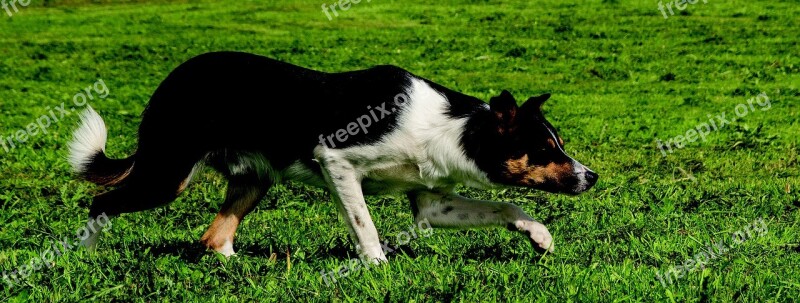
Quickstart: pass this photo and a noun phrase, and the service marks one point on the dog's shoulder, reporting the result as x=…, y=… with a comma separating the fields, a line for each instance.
x=424, y=148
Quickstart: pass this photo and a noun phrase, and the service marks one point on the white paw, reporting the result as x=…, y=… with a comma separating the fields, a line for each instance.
x=90, y=243
x=537, y=233
x=226, y=249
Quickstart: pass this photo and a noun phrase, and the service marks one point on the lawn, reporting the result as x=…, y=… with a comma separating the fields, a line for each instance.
x=721, y=212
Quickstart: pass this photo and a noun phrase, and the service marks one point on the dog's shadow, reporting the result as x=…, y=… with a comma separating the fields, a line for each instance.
x=194, y=252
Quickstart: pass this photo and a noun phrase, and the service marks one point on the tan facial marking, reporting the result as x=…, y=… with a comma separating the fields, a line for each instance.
x=518, y=170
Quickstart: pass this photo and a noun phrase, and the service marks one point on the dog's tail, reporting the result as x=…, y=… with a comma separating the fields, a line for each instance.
x=87, y=153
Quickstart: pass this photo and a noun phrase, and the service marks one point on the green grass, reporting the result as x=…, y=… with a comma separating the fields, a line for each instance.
x=621, y=77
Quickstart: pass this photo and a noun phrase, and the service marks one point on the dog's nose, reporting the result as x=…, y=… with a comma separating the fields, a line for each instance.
x=591, y=177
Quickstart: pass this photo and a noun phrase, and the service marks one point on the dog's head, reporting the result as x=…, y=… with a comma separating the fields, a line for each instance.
x=523, y=149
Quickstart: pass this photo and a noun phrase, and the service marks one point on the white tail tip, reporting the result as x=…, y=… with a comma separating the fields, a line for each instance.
x=88, y=140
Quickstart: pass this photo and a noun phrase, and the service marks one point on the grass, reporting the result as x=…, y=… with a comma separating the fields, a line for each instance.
x=621, y=76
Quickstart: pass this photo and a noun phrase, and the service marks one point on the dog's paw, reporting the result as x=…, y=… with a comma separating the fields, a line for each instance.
x=89, y=240
x=226, y=250
x=538, y=234
x=90, y=243
x=224, y=247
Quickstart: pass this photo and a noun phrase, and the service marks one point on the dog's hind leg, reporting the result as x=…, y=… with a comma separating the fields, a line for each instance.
x=451, y=210
x=243, y=194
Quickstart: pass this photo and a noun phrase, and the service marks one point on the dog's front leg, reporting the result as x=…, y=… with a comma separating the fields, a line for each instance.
x=344, y=182
x=444, y=209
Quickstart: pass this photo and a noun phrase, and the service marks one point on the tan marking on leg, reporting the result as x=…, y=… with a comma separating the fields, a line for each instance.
x=221, y=233
x=239, y=202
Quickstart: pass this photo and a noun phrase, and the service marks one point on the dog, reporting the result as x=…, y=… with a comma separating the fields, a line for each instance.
x=260, y=121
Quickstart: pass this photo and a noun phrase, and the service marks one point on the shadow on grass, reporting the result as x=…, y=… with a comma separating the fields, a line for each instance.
x=194, y=251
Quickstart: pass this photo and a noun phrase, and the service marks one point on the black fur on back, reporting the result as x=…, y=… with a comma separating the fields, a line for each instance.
x=244, y=102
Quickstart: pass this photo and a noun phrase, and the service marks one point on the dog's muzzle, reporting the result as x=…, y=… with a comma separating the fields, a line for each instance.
x=586, y=178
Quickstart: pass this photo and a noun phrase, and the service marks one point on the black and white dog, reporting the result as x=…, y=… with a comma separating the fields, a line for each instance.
x=259, y=121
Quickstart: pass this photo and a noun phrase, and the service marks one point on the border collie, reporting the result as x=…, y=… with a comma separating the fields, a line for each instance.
x=381, y=130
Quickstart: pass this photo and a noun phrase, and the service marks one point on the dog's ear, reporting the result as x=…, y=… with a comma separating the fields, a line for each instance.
x=535, y=103
x=504, y=108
